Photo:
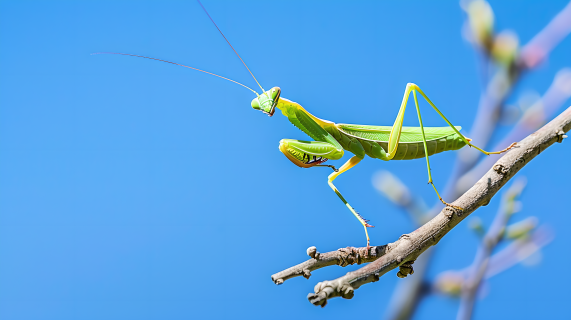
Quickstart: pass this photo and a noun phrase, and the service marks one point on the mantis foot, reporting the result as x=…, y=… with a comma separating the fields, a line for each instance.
x=506, y=149
x=368, y=241
x=363, y=220
x=449, y=205
x=327, y=165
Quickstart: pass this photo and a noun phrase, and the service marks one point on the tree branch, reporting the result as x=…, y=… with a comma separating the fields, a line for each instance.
x=403, y=252
x=342, y=257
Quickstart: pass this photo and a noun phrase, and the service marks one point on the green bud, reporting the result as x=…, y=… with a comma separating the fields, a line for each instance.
x=450, y=283
x=481, y=21
x=505, y=47
x=521, y=229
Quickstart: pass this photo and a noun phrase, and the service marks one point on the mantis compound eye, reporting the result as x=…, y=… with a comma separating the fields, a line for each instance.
x=267, y=101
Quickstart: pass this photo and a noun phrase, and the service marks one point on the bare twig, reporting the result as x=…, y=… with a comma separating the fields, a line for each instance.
x=403, y=252
x=342, y=257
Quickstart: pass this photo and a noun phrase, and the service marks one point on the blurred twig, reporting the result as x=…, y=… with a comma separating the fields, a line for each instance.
x=533, y=118
x=537, y=50
x=396, y=191
x=495, y=234
x=451, y=282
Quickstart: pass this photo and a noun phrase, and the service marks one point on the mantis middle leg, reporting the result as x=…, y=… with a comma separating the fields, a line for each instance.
x=303, y=154
x=348, y=165
x=397, y=128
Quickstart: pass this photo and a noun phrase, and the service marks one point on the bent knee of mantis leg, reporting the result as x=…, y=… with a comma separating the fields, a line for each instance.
x=411, y=85
x=330, y=180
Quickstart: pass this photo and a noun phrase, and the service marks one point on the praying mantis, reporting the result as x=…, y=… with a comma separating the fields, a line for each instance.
x=331, y=140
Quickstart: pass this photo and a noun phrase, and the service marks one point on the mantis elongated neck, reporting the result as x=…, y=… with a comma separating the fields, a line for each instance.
x=288, y=108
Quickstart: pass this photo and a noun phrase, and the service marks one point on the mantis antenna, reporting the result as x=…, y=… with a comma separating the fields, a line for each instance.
x=203, y=8
x=182, y=65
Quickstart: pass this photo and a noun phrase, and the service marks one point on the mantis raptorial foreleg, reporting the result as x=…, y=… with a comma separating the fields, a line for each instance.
x=397, y=128
x=348, y=165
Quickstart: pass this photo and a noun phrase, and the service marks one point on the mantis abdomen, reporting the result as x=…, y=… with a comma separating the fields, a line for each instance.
x=415, y=150
x=372, y=138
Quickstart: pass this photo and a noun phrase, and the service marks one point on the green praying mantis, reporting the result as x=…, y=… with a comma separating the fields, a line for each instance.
x=331, y=140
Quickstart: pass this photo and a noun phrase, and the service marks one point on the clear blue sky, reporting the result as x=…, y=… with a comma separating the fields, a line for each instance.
x=134, y=189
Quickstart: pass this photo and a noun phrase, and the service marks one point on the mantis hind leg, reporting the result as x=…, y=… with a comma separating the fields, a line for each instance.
x=348, y=165
x=397, y=127
x=413, y=87
x=430, y=181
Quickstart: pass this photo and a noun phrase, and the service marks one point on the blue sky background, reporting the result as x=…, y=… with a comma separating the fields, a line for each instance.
x=133, y=189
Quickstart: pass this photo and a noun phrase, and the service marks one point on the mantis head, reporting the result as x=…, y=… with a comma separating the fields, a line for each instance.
x=267, y=101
